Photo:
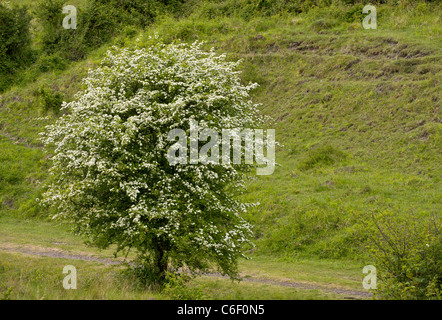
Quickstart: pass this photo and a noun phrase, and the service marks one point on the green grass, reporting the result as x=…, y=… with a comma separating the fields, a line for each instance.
x=226, y=290
x=35, y=277
x=38, y=234
x=338, y=273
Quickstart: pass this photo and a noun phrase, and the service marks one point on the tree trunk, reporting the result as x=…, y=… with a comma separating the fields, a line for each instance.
x=161, y=263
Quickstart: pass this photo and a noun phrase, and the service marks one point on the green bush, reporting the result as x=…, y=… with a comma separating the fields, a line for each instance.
x=177, y=288
x=248, y=9
x=133, y=12
x=51, y=62
x=97, y=22
x=408, y=257
x=143, y=274
x=51, y=100
x=354, y=14
x=15, y=42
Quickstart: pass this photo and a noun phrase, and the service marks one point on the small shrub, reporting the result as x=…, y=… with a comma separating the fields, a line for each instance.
x=51, y=62
x=15, y=42
x=98, y=21
x=96, y=24
x=177, y=288
x=51, y=100
x=143, y=275
x=354, y=14
x=408, y=256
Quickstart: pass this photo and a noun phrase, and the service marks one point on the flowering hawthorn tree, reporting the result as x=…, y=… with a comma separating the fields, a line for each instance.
x=110, y=175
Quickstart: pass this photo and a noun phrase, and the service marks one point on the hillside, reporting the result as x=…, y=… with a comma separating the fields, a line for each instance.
x=357, y=114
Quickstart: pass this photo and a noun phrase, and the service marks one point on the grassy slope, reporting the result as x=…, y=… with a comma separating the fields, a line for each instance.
x=358, y=113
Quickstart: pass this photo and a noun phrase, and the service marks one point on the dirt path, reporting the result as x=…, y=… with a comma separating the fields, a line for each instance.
x=56, y=253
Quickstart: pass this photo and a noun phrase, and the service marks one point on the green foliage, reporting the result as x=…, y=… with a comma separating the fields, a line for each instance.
x=354, y=14
x=133, y=12
x=144, y=274
x=248, y=9
x=52, y=100
x=98, y=21
x=96, y=25
x=50, y=15
x=177, y=288
x=15, y=42
x=50, y=62
x=408, y=255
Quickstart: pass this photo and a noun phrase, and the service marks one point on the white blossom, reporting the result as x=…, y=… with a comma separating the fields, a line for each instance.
x=111, y=178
